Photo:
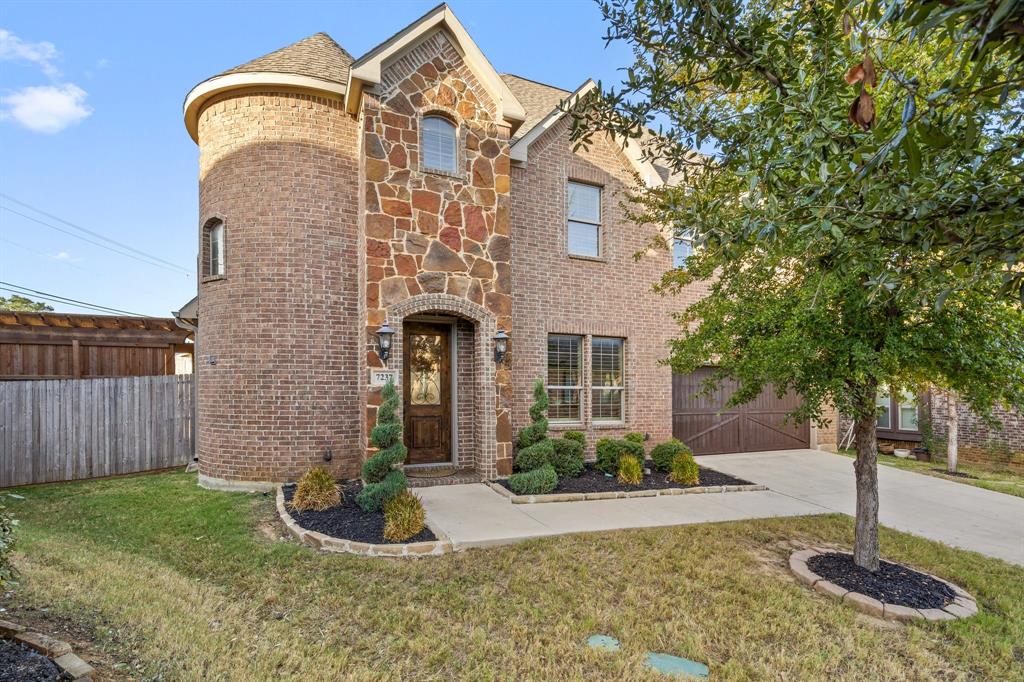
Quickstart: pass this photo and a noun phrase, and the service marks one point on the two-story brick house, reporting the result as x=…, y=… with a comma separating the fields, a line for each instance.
x=417, y=190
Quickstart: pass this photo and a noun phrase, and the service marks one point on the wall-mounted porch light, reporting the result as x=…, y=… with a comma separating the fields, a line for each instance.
x=384, y=336
x=500, y=345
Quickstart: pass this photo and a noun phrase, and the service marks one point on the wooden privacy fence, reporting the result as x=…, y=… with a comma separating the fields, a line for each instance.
x=87, y=428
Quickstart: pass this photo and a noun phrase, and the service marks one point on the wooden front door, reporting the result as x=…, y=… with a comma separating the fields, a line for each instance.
x=427, y=393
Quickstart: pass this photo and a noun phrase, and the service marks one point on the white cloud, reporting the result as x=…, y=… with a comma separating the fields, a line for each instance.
x=66, y=257
x=42, y=53
x=46, y=108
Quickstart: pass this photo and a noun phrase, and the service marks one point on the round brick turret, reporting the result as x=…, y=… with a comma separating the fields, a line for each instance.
x=278, y=355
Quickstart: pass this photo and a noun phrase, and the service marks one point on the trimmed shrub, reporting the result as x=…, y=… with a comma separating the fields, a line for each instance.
x=315, y=491
x=538, y=430
x=610, y=450
x=537, y=482
x=577, y=436
x=404, y=517
x=634, y=437
x=535, y=456
x=381, y=481
x=630, y=470
x=663, y=453
x=567, y=458
x=7, y=527
x=685, y=469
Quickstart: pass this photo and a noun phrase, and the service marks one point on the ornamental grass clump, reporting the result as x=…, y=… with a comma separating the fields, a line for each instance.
x=663, y=453
x=537, y=482
x=684, y=469
x=316, y=491
x=381, y=480
x=404, y=517
x=7, y=526
x=630, y=470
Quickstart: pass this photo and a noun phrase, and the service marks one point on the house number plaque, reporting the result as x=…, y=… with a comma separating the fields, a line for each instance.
x=380, y=377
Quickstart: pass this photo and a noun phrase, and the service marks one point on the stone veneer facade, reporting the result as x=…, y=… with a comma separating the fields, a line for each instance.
x=333, y=227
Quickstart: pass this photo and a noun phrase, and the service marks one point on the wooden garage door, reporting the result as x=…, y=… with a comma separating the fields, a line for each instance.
x=703, y=423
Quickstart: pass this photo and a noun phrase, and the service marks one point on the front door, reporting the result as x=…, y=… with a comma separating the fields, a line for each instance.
x=427, y=392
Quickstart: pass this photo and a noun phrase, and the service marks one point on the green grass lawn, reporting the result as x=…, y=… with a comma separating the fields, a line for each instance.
x=999, y=480
x=159, y=579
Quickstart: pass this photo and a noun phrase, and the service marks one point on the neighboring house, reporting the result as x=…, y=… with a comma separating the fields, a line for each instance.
x=416, y=190
x=48, y=345
x=907, y=420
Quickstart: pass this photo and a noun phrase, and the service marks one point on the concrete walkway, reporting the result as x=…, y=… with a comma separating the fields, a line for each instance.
x=954, y=513
x=476, y=516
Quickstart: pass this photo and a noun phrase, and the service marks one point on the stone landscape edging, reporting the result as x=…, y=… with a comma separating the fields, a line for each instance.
x=962, y=606
x=56, y=650
x=619, y=494
x=329, y=543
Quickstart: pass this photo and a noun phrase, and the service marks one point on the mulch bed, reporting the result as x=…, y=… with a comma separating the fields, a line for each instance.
x=957, y=474
x=21, y=664
x=892, y=584
x=593, y=480
x=347, y=521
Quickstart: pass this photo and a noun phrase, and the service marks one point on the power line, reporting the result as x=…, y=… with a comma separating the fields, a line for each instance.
x=7, y=286
x=90, y=241
x=89, y=232
x=44, y=255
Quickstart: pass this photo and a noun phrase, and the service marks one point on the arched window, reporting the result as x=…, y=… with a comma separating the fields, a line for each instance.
x=213, y=248
x=438, y=144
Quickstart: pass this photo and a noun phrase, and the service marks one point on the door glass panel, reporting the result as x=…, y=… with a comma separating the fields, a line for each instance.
x=425, y=369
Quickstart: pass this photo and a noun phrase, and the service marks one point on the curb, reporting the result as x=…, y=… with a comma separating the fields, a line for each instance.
x=57, y=651
x=962, y=606
x=619, y=494
x=328, y=543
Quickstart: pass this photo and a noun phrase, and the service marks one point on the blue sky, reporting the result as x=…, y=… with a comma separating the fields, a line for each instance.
x=91, y=130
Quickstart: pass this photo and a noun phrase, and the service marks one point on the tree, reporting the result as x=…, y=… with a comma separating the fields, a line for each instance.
x=22, y=304
x=857, y=210
x=382, y=481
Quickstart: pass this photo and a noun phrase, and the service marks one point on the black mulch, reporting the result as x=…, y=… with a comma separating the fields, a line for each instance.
x=593, y=480
x=21, y=664
x=893, y=584
x=347, y=521
x=958, y=474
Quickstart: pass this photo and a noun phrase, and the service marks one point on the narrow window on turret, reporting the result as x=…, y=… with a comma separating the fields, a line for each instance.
x=213, y=248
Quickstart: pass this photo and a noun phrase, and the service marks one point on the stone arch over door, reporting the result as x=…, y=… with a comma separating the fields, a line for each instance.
x=487, y=409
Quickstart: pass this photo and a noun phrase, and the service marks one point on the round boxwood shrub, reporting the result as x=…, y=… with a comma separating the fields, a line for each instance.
x=663, y=453
x=634, y=437
x=536, y=455
x=684, y=469
x=577, y=436
x=610, y=450
x=315, y=491
x=630, y=470
x=567, y=457
x=537, y=482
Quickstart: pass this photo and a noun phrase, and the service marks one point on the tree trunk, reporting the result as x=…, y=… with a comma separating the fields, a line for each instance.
x=865, y=545
x=951, y=432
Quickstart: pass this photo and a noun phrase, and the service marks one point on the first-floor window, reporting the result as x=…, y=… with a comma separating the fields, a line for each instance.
x=908, y=411
x=213, y=241
x=607, y=386
x=882, y=401
x=564, y=377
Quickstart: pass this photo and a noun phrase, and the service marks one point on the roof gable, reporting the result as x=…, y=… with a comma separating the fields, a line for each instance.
x=366, y=71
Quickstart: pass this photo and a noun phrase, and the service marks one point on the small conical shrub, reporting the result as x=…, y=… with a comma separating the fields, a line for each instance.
x=538, y=430
x=381, y=480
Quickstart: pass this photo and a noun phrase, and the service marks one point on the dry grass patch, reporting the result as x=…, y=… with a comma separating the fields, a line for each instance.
x=205, y=595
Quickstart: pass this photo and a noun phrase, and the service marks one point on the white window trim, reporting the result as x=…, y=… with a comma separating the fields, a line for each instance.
x=685, y=237
x=456, y=138
x=599, y=224
x=578, y=388
x=912, y=402
x=217, y=249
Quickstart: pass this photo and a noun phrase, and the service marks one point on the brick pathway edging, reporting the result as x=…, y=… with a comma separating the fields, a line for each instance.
x=963, y=606
x=618, y=494
x=341, y=546
x=57, y=651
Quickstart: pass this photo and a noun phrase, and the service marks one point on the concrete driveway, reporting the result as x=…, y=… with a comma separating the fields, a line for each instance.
x=959, y=515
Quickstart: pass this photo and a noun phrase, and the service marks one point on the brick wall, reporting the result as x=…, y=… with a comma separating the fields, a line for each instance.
x=976, y=440
x=280, y=169
x=556, y=293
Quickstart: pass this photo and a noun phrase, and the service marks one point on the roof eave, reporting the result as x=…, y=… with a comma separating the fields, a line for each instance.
x=202, y=93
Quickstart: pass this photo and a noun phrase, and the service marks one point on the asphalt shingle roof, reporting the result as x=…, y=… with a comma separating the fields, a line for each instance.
x=317, y=56
x=538, y=99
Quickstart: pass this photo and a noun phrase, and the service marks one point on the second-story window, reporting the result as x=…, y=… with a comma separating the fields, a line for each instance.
x=682, y=247
x=584, y=220
x=439, y=144
x=213, y=238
